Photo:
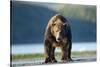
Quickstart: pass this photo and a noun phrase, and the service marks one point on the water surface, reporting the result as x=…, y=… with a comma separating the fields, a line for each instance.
x=39, y=48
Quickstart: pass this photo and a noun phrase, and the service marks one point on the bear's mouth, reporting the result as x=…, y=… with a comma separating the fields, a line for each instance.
x=58, y=40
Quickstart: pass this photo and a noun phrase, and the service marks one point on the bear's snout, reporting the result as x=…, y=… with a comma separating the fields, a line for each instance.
x=58, y=39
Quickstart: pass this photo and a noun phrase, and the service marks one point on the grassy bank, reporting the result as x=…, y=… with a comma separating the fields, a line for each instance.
x=58, y=55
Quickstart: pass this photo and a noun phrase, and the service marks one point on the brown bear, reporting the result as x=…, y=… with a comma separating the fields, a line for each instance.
x=57, y=34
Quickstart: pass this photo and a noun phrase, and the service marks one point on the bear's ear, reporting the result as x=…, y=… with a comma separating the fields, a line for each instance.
x=54, y=20
x=66, y=24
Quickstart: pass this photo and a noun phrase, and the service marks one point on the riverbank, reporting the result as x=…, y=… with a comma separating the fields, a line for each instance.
x=58, y=55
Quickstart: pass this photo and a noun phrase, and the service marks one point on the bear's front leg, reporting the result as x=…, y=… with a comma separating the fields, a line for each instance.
x=53, y=55
x=65, y=54
x=47, y=49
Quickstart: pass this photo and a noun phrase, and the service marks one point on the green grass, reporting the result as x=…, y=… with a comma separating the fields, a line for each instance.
x=32, y=56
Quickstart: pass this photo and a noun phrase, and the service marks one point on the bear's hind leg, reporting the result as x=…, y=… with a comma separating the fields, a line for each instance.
x=69, y=51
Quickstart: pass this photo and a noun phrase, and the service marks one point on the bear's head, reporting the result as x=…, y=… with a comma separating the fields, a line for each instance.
x=58, y=27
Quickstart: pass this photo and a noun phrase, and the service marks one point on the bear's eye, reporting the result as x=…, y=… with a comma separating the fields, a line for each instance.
x=53, y=24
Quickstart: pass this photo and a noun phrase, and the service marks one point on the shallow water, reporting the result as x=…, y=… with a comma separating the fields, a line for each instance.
x=39, y=48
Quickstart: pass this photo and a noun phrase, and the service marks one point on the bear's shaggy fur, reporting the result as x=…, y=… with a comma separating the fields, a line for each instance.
x=57, y=34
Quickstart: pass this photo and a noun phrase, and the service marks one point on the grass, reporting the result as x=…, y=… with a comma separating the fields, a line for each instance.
x=58, y=55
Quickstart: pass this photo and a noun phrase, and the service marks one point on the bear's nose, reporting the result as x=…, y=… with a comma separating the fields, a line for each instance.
x=58, y=39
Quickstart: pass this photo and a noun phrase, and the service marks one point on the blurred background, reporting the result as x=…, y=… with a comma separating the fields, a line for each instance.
x=29, y=19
